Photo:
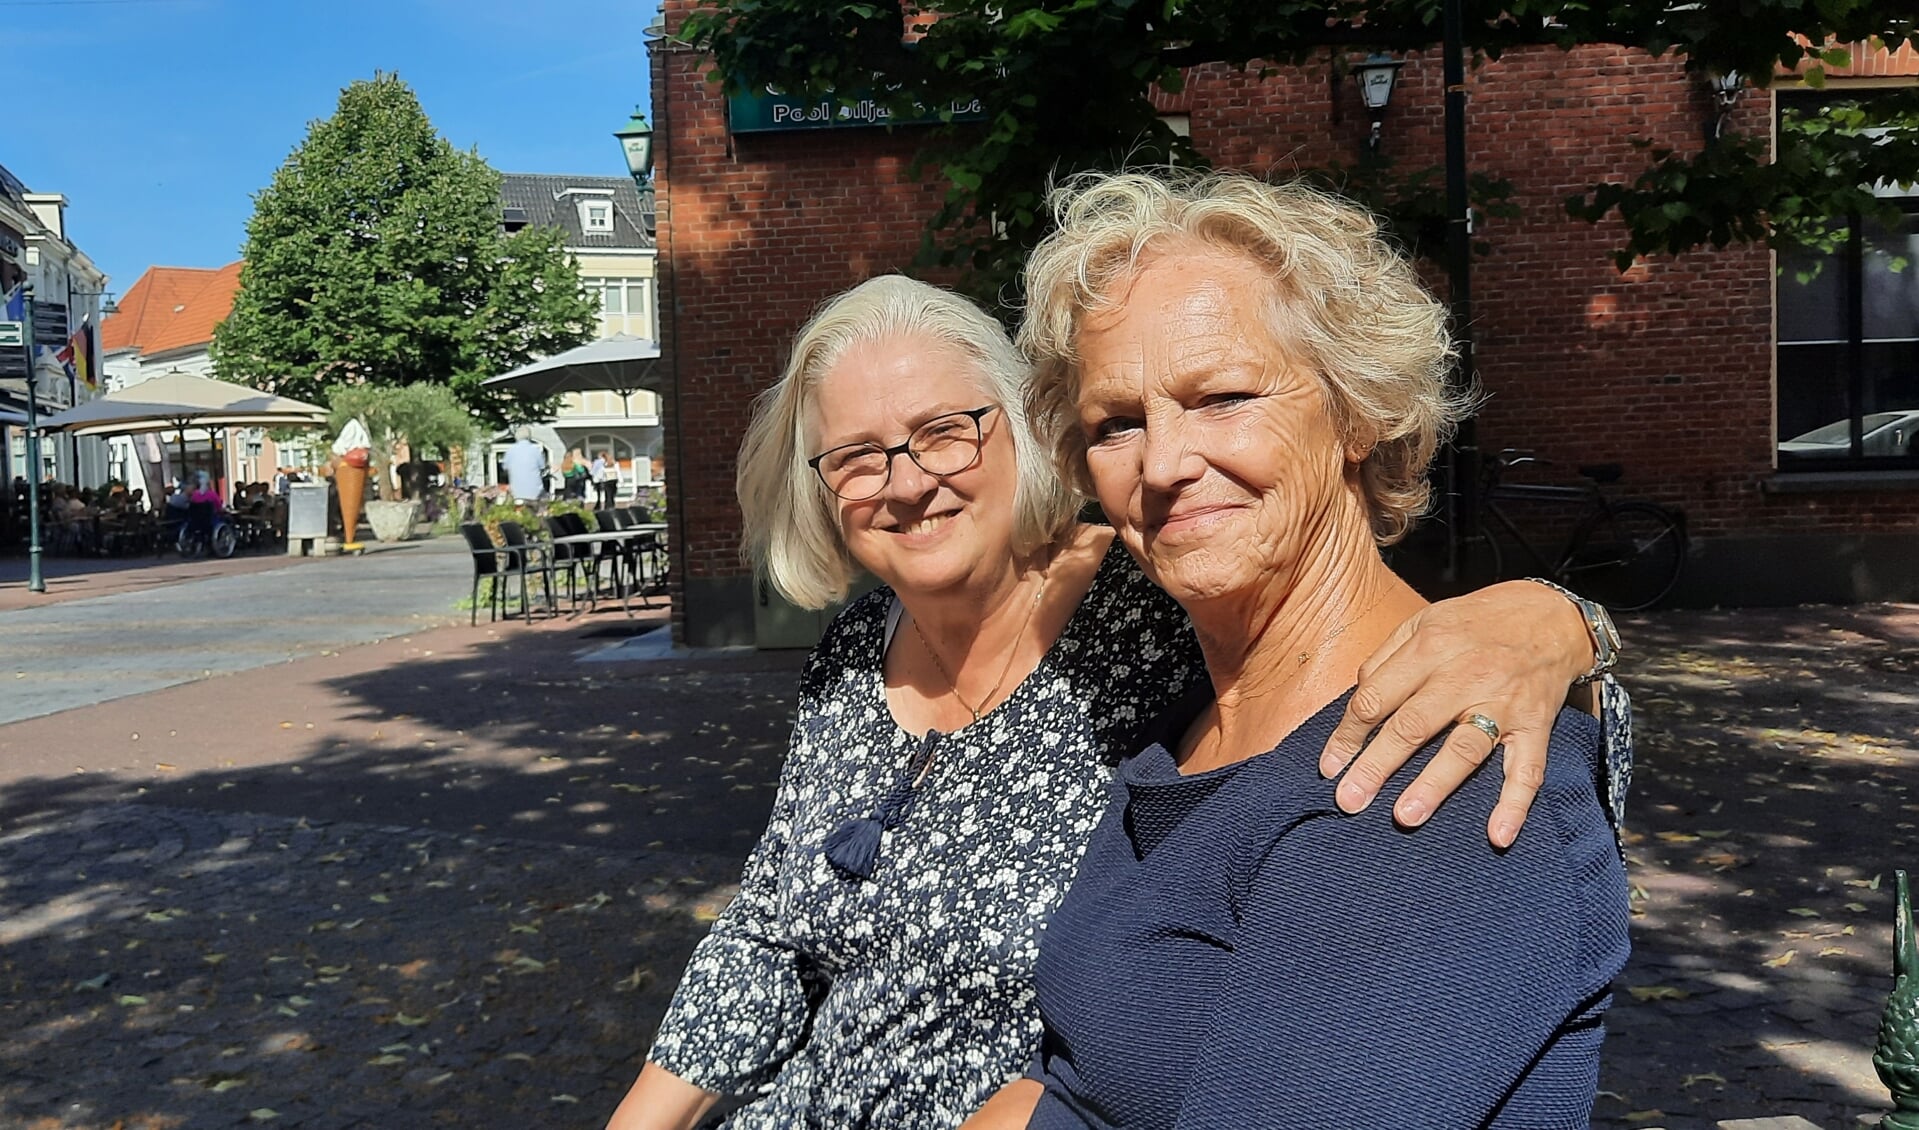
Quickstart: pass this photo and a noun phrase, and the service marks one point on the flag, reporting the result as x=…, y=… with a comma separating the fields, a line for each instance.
x=16, y=304
x=78, y=357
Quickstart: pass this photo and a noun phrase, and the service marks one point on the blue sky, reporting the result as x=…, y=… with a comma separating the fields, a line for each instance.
x=159, y=119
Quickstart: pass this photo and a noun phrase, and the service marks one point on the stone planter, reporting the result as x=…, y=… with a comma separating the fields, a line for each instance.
x=392, y=521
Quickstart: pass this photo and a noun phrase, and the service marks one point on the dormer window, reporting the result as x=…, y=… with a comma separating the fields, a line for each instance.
x=596, y=215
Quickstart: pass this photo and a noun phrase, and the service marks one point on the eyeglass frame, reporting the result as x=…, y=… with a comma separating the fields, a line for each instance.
x=905, y=447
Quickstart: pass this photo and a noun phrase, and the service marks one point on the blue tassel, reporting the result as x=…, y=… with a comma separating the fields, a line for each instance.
x=855, y=846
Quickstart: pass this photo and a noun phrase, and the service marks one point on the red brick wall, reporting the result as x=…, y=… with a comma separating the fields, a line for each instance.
x=1666, y=369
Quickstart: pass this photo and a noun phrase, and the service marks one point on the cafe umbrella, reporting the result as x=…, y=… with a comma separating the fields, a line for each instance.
x=177, y=401
x=621, y=363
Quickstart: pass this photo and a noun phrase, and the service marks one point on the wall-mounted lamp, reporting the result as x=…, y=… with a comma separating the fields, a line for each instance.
x=1726, y=89
x=1376, y=74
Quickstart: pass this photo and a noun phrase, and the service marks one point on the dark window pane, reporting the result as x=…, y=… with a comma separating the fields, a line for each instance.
x=1813, y=310
x=1891, y=289
x=1812, y=397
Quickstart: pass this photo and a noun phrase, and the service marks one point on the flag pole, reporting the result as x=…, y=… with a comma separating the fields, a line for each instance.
x=35, y=582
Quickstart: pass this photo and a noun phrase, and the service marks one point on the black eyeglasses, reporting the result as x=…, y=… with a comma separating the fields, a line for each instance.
x=944, y=445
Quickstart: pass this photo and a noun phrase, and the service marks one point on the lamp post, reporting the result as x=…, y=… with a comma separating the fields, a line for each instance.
x=1376, y=74
x=35, y=582
x=636, y=139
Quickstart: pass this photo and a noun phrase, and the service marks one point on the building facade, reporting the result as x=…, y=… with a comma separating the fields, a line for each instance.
x=609, y=235
x=68, y=292
x=1717, y=381
x=165, y=324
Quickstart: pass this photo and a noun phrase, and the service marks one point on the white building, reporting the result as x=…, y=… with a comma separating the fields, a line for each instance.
x=68, y=290
x=609, y=234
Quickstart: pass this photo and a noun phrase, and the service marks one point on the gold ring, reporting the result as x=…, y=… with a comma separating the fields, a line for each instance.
x=1483, y=724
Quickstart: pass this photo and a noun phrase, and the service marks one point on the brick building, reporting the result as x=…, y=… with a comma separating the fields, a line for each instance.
x=1678, y=369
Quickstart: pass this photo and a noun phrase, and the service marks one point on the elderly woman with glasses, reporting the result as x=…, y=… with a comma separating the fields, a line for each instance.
x=1252, y=383
x=957, y=729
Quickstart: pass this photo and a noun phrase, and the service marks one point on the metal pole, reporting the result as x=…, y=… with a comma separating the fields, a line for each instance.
x=35, y=582
x=1462, y=509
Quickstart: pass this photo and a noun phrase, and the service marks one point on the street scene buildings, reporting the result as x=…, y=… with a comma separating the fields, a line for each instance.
x=285, y=844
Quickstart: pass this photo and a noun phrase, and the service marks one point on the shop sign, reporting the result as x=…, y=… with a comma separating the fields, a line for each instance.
x=766, y=111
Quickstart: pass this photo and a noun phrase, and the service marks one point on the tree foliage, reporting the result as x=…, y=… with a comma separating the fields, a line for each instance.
x=427, y=417
x=376, y=257
x=1066, y=87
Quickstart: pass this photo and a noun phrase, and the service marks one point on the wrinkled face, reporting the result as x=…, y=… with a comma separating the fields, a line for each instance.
x=922, y=533
x=1209, y=444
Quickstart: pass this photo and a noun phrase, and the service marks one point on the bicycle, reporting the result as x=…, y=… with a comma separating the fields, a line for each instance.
x=1625, y=554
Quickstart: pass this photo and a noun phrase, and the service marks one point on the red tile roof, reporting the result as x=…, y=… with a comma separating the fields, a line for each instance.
x=171, y=308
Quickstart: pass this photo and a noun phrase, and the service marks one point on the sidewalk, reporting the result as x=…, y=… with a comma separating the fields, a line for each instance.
x=450, y=878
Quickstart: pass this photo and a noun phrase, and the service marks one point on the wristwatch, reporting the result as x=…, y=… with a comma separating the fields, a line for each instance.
x=1605, y=637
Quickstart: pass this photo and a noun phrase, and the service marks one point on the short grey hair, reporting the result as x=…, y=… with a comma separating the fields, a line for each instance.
x=791, y=532
x=1342, y=296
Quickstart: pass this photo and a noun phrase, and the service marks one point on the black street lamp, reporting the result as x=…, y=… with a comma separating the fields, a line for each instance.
x=636, y=139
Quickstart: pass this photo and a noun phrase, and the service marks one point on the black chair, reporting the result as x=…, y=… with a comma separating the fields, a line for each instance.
x=488, y=563
x=649, y=557
x=573, y=557
x=526, y=557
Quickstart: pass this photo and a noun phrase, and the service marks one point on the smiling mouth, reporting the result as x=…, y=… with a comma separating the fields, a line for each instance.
x=925, y=525
x=1187, y=518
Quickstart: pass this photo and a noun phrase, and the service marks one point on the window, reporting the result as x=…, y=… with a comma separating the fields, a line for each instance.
x=626, y=306
x=1848, y=353
x=596, y=215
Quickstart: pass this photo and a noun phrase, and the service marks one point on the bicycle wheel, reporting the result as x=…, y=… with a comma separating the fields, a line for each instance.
x=1628, y=557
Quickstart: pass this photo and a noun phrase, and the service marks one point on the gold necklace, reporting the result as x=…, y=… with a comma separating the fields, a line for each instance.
x=1012, y=653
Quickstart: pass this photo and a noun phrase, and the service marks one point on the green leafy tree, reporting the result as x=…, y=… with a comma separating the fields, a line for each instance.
x=1066, y=87
x=375, y=257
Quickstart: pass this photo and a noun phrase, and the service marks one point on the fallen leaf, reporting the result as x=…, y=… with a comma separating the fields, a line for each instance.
x=1834, y=951
x=1855, y=906
x=1783, y=959
x=99, y=982
x=1704, y=1077
x=405, y=1021
x=1658, y=993
x=385, y=1060
x=225, y=1085
x=1802, y=911
x=130, y=1000
x=263, y=1114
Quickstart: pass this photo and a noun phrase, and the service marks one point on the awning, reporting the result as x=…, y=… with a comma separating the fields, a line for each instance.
x=181, y=400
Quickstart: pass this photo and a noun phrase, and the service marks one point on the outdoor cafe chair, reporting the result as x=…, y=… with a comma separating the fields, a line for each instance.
x=573, y=557
x=489, y=565
x=526, y=557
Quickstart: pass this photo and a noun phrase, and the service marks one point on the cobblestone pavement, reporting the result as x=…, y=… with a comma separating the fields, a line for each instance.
x=80, y=652
x=450, y=878
x=167, y=967
x=1777, y=790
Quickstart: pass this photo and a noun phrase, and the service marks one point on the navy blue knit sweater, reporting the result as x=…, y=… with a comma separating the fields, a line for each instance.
x=1236, y=953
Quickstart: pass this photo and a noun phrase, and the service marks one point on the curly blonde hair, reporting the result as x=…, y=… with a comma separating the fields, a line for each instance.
x=1343, y=299
x=792, y=534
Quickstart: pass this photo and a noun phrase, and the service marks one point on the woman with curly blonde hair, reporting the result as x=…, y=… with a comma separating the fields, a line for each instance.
x=1251, y=381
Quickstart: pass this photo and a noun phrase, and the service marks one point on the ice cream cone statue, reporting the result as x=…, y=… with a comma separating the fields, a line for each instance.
x=351, y=455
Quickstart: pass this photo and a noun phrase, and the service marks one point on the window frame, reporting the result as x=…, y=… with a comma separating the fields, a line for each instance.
x=1851, y=259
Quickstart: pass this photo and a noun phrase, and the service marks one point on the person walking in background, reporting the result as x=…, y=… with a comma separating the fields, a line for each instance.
x=574, y=474
x=525, y=464
x=606, y=478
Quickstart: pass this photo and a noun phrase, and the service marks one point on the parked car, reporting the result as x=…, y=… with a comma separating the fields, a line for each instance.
x=1886, y=433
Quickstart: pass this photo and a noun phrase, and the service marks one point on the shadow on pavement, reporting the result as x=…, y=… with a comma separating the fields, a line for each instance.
x=463, y=898
x=1778, y=754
